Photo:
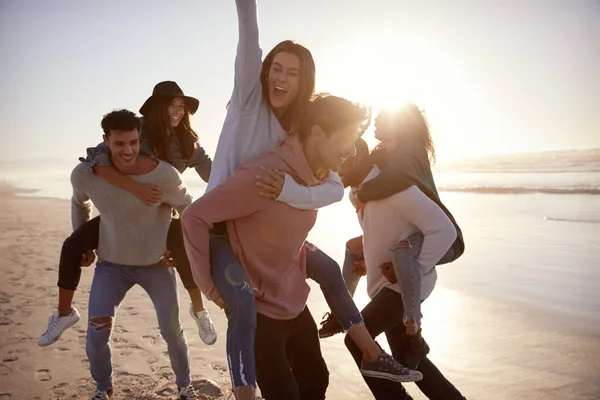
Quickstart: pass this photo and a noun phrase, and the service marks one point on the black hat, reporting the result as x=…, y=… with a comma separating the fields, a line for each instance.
x=169, y=89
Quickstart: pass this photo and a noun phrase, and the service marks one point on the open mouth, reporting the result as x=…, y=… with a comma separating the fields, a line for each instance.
x=279, y=91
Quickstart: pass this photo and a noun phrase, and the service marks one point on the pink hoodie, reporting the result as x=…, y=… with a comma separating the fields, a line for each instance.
x=267, y=236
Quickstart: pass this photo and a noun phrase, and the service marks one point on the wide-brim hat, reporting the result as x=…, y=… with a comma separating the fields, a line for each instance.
x=168, y=89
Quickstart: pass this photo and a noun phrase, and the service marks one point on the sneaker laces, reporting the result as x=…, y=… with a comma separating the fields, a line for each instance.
x=386, y=358
x=204, y=324
x=187, y=393
x=52, y=324
x=99, y=395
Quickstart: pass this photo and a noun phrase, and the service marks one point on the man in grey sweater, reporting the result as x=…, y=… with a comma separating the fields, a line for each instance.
x=131, y=246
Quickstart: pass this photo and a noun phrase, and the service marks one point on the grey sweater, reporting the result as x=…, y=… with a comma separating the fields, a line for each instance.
x=131, y=233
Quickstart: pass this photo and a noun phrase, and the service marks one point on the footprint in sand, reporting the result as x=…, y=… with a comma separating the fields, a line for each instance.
x=218, y=367
x=166, y=392
x=43, y=375
x=151, y=339
x=4, y=298
x=5, y=321
x=5, y=396
x=5, y=370
x=10, y=358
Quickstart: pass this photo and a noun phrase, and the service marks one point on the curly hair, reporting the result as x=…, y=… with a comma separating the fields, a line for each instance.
x=407, y=122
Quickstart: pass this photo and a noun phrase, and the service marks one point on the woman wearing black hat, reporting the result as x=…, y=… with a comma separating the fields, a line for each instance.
x=167, y=135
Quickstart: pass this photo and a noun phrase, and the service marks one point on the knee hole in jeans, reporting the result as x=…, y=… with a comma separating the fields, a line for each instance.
x=102, y=323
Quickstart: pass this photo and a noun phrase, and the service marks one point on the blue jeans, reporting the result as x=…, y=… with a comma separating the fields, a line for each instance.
x=408, y=273
x=109, y=287
x=237, y=293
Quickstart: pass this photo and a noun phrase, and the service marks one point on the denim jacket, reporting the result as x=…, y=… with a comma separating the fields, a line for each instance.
x=100, y=156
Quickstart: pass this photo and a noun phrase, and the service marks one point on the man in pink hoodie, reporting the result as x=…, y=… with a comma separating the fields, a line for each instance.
x=268, y=238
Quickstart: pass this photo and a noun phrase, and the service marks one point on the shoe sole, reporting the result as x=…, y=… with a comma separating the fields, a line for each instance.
x=58, y=337
x=393, y=377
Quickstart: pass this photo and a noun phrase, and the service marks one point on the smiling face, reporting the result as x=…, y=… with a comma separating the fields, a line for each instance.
x=338, y=146
x=283, y=80
x=124, y=148
x=176, y=110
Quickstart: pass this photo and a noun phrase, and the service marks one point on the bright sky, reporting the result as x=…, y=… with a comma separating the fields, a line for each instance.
x=493, y=76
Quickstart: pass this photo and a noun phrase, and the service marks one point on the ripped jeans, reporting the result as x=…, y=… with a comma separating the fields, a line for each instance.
x=109, y=287
x=237, y=293
x=407, y=272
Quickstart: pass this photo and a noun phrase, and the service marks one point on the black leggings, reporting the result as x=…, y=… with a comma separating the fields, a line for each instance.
x=384, y=315
x=85, y=238
x=289, y=364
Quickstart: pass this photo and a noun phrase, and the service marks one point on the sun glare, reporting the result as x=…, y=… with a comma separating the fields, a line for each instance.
x=390, y=69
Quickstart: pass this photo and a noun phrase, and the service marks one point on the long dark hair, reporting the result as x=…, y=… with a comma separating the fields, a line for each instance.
x=291, y=115
x=157, y=127
x=409, y=124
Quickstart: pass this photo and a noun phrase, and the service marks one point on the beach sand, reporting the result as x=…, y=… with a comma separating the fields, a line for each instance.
x=490, y=347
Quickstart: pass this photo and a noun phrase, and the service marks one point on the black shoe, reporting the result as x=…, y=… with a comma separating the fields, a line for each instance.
x=329, y=326
x=415, y=350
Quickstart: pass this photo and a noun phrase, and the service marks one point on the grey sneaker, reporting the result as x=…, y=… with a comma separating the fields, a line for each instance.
x=187, y=393
x=101, y=395
x=387, y=368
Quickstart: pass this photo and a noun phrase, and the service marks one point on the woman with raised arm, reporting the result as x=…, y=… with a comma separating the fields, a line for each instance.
x=267, y=101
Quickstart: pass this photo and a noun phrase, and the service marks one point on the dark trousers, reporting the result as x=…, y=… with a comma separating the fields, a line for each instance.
x=85, y=238
x=384, y=315
x=289, y=364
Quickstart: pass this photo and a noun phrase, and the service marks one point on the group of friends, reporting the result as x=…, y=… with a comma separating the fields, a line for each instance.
x=283, y=153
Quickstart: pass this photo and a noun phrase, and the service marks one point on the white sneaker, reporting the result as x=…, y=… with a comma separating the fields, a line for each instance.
x=56, y=326
x=187, y=393
x=206, y=328
x=101, y=395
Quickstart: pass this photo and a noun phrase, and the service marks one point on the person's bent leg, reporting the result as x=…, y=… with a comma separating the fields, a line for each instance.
x=353, y=254
x=383, y=312
x=175, y=244
x=109, y=287
x=326, y=272
x=304, y=355
x=408, y=273
x=273, y=371
x=161, y=285
x=82, y=240
x=238, y=294
x=433, y=385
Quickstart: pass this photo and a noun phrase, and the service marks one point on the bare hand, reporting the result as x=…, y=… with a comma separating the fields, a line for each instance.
x=355, y=245
x=88, y=258
x=170, y=261
x=360, y=268
x=387, y=269
x=219, y=301
x=148, y=194
x=270, y=182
